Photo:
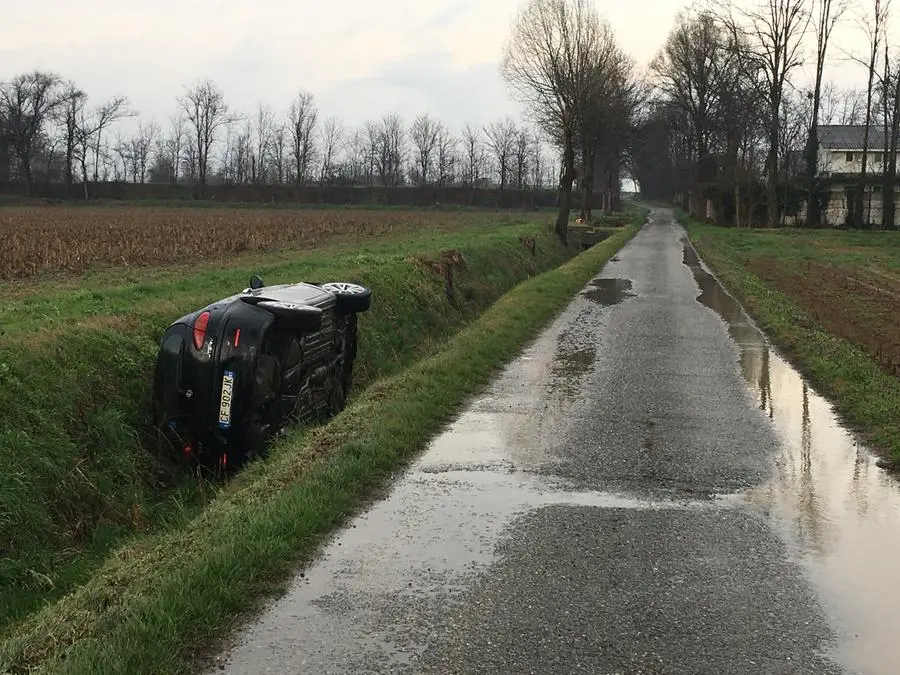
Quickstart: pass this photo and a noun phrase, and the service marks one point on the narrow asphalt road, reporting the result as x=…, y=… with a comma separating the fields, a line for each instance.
x=622, y=500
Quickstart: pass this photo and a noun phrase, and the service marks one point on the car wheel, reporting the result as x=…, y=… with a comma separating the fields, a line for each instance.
x=351, y=298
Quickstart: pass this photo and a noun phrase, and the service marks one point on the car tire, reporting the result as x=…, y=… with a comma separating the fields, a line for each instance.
x=351, y=298
x=301, y=318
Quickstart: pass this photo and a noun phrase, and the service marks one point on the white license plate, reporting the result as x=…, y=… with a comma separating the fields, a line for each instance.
x=225, y=402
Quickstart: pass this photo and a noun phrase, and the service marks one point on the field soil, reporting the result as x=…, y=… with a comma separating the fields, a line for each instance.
x=859, y=304
x=39, y=240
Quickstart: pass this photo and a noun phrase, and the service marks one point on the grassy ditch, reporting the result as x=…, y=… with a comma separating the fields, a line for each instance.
x=827, y=300
x=75, y=367
x=156, y=602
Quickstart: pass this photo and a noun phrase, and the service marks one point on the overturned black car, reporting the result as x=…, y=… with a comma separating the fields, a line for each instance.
x=233, y=374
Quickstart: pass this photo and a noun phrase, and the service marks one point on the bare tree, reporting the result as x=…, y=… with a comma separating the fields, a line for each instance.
x=27, y=102
x=139, y=147
x=332, y=136
x=423, y=133
x=264, y=129
x=828, y=13
x=447, y=145
x=536, y=161
x=501, y=140
x=547, y=63
x=207, y=112
x=123, y=149
x=104, y=115
x=689, y=71
x=522, y=147
x=174, y=145
x=842, y=106
x=302, y=119
x=390, y=149
x=874, y=27
x=604, y=120
x=355, y=150
x=473, y=151
x=239, y=160
x=72, y=103
x=279, y=148
x=774, y=30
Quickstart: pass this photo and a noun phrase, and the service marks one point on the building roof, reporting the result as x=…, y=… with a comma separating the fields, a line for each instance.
x=850, y=137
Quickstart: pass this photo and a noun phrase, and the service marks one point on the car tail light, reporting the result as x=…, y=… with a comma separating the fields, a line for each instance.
x=200, y=329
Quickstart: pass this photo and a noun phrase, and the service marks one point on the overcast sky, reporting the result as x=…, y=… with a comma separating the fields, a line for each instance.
x=360, y=58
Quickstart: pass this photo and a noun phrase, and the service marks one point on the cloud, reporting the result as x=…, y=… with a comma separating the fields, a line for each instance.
x=425, y=82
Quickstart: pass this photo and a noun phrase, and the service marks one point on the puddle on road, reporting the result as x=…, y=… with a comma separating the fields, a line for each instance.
x=608, y=292
x=837, y=506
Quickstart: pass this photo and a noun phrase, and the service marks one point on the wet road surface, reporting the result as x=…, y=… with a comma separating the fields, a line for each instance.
x=649, y=488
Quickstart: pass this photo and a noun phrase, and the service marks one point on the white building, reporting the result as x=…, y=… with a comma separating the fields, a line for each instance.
x=840, y=160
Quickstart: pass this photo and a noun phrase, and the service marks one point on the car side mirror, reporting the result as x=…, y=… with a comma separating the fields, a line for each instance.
x=256, y=282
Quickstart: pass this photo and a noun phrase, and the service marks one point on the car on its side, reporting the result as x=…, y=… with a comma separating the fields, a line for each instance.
x=231, y=375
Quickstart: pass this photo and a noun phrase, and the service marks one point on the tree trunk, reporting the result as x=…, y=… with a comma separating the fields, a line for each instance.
x=813, y=213
x=772, y=174
x=26, y=167
x=587, y=184
x=565, y=190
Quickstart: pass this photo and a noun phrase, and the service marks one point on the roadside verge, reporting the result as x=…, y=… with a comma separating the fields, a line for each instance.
x=156, y=605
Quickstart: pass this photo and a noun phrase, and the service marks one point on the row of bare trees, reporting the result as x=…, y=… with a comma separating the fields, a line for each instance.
x=728, y=118
x=50, y=133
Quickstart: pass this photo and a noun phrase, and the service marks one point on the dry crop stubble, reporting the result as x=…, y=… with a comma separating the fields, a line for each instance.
x=36, y=240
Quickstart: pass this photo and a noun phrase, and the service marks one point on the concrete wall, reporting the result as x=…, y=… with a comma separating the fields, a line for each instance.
x=835, y=161
x=836, y=211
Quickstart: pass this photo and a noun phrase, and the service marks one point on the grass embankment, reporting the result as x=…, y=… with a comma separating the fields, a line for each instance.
x=830, y=300
x=76, y=357
x=154, y=601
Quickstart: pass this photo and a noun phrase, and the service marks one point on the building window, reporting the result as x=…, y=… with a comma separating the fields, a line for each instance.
x=878, y=157
x=849, y=156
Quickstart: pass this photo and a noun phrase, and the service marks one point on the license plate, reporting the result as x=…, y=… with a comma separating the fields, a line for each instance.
x=225, y=403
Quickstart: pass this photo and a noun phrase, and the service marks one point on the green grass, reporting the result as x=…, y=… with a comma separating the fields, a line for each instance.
x=75, y=368
x=836, y=247
x=151, y=604
x=866, y=396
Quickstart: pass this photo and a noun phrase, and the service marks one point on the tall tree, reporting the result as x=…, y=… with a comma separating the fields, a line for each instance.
x=446, y=156
x=501, y=140
x=547, y=62
x=27, y=102
x=390, y=147
x=332, y=137
x=103, y=116
x=302, y=118
x=423, y=133
x=827, y=14
x=874, y=27
x=264, y=130
x=774, y=30
x=72, y=103
x=690, y=72
x=473, y=169
x=207, y=112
